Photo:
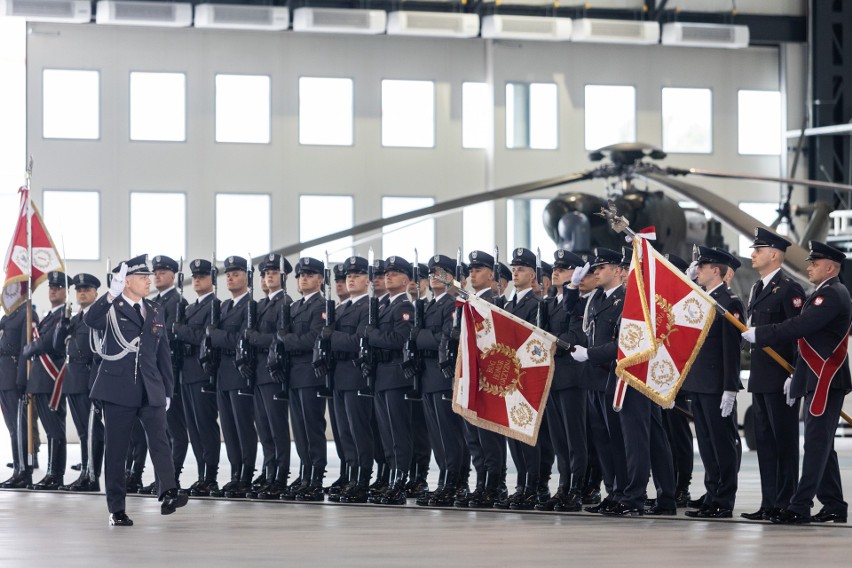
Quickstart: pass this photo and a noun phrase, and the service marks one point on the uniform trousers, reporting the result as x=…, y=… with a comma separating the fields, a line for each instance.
x=277, y=416
x=566, y=415
x=236, y=414
x=202, y=411
x=354, y=415
x=718, y=441
x=393, y=417
x=776, y=433
x=307, y=411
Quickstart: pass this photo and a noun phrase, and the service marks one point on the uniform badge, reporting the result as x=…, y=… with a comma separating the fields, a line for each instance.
x=737, y=315
x=437, y=258
x=156, y=259
x=230, y=260
x=818, y=301
x=351, y=260
x=797, y=302
x=305, y=261
x=406, y=316
x=197, y=263
x=519, y=252
x=392, y=260
x=560, y=253
x=616, y=301
x=756, y=231
x=473, y=255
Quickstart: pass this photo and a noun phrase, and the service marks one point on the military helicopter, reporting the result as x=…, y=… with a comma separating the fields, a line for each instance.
x=571, y=222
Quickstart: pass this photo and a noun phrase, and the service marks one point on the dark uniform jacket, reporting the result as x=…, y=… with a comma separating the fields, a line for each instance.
x=307, y=319
x=192, y=334
x=604, y=318
x=225, y=338
x=824, y=322
x=12, y=341
x=346, y=344
x=40, y=381
x=268, y=322
x=147, y=372
x=717, y=366
x=780, y=300
x=169, y=307
x=388, y=339
x=526, y=308
x=80, y=373
x=437, y=325
x=566, y=371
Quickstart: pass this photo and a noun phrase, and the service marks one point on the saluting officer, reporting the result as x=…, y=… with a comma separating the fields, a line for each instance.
x=527, y=458
x=79, y=376
x=134, y=383
x=12, y=340
x=822, y=331
x=393, y=411
x=774, y=298
x=601, y=321
x=267, y=409
x=354, y=413
x=566, y=409
x=713, y=383
x=307, y=408
x=236, y=412
x=201, y=409
x=47, y=360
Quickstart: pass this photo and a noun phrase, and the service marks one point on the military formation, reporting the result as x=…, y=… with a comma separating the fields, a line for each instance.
x=151, y=373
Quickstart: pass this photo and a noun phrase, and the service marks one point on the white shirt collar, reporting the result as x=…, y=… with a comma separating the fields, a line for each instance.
x=710, y=291
x=770, y=276
x=483, y=291
x=201, y=298
x=309, y=296
x=353, y=299
x=611, y=290
x=166, y=291
x=439, y=296
x=272, y=295
x=519, y=294
x=59, y=307
x=240, y=297
x=395, y=296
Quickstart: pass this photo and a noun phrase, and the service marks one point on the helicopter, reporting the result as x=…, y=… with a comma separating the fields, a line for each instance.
x=571, y=222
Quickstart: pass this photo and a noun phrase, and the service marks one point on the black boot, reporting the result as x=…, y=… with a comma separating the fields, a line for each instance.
x=505, y=502
x=134, y=481
x=551, y=503
x=235, y=479
x=489, y=495
x=462, y=501
x=21, y=479
x=572, y=501
x=530, y=496
x=276, y=487
x=342, y=480
x=396, y=494
x=446, y=496
x=334, y=493
x=417, y=485
x=358, y=493
x=378, y=488
x=313, y=492
x=243, y=486
x=55, y=468
x=269, y=475
x=298, y=484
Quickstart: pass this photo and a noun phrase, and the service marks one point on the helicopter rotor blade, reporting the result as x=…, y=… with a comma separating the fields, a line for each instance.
x=752, y=177
x=730, y=214
x=443, y=206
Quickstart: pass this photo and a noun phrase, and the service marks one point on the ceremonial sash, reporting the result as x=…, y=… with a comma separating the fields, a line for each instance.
x=58, y=375
x=824, y=369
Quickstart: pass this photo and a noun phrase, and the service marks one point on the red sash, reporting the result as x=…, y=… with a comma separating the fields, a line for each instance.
x=58, y=375
x=824, y=369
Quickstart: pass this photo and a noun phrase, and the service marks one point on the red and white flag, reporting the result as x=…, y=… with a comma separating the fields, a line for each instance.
x=45, y=256
x=503, y=371
x=665, y=320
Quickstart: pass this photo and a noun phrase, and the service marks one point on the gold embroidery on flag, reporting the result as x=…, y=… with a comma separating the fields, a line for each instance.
x=501, y=371
x=631, y=336
x=536, y=351
x=662, y=372
x=522, y=414
x=693, y=313
x=665, y=321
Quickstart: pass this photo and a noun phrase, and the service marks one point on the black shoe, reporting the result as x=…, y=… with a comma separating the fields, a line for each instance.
x=357, y=494
x=696, y=503
x=622, y=510
x=591, y=496
x=649, y=502
x=336, y=488
x=77, y=467
x=484, y=500
x=311, y=493
x=572, y=502
x=259, y=481
x=272, y=491
x=239, y=490
x=682, y=499
x=49, y=483
x=657, y=511
x=172, y=500
x=828, y=517
x=506, y=502
x=230, y=486
x=463, y=502
x=762, y=514
x=150, y=489
x=416, y=488
x=134, y=482
x=120, y=519
x=294, y=489
x=788, y=517
x=527, y=502
x=711, y=512
x=85, y=485
x=205, y=488
x=20, y=480
x=601, y=507
x=550, y=504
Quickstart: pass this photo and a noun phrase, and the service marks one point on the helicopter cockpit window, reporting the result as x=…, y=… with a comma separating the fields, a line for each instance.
x=532, y=116
x=759, y=122
x=610, y=112
x=687, y=120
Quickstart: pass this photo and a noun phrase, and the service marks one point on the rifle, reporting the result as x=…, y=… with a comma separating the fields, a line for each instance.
x=499, y=301
x=412, y=363
x=245, y=359
x=367, y=359
x=450, y=345
x=541, y=310
x=175, y=346
x=209, y=356
x=323, y=358
x=278, y=360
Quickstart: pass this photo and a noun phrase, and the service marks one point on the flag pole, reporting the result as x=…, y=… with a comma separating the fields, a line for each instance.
x=29, y=308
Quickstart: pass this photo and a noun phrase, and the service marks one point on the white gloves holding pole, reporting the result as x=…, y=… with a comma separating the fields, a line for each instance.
x=580, y=354
x=728, y=400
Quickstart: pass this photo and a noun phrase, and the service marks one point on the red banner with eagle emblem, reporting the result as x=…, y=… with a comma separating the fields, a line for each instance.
x=503, y=371
x=665, y=320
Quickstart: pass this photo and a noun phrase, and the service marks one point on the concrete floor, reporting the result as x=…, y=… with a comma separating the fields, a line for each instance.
x=47, y=529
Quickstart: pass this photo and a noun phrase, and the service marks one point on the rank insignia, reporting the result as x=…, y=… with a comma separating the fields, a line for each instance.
x=818, y=301
x=797, y=302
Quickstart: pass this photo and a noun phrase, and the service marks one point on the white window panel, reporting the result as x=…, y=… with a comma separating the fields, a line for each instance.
x=408, y=113
x=401, y=239
x=326, y=111
x=763, y=211
x=759, y=122
x=477, y=115
x=532, y=116
x=158, y=106
x=687, y=120
x=73, y=221
x=70, y=104
x=243, y=109
x=478, y=227
x=13, y=101
x=243, y=224
x=321, y=215
x=536, y=237
x=158, y=224
x=610, y=115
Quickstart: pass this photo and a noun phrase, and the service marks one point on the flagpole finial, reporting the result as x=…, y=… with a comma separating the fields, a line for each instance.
x=618, y=222
x=30, y=167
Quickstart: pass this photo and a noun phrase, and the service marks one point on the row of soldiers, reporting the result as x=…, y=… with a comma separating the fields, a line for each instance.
x=387, y=377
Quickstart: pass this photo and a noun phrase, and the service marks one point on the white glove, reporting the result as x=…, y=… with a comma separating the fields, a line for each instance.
x=692, y=271
x=116, y=288
x=728, y=400
x=579, y=273
x=748, y=335
x=790, y=400
x=580, y=353
x=168, y=402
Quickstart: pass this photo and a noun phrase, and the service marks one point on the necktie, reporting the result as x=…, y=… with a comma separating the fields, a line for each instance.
x=758, y=289
x=158, y=298
x=138, y=308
